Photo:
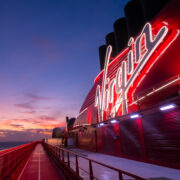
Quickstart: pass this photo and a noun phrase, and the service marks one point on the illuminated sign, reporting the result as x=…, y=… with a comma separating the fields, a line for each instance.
x=128, y=71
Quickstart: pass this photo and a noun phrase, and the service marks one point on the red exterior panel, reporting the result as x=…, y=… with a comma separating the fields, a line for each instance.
x=155, y=136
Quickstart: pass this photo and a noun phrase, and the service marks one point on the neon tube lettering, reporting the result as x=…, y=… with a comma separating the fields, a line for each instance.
x=104, y=95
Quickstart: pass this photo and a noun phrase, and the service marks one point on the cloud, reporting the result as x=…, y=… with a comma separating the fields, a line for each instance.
x=17, y=125
x=43, y=122
x=47, y=118
x=35, y=97
x=46, y=132
x=27, y=105
x=30, y=105
x=7, y=122
x=2, y=134
x=24, y=135
x=32, y=98
x=47, y=48
x=29, y=120
x=29, y=112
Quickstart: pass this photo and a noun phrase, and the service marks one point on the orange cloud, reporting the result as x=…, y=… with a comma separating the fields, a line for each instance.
x=46, y=132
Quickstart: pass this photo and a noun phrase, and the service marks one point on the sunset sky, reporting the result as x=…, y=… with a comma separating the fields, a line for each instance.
x=48, y=61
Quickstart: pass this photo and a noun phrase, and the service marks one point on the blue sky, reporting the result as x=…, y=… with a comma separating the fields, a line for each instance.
x=49, y=59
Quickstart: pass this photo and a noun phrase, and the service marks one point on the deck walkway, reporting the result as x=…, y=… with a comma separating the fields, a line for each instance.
x=40, y=167
x=145, y=170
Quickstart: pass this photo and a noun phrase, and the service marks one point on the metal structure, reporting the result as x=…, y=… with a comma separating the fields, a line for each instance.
x=68, y=162
x=13, y=160
x=121, y=114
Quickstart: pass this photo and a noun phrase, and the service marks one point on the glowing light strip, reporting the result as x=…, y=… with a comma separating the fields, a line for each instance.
x=82, y=111
x=86, y=124
x=114, y=121
x=156, y=90
x=134, y=116
x=166, y=85
x=167, y=107
x=82, y=125
x=101, y=124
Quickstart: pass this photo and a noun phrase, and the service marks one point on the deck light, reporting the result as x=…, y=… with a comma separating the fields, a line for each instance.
x=167, y=107
x=101, y=124
x=133, y=116
x=113, y=121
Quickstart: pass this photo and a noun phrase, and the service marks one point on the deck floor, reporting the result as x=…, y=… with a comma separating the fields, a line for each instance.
x=144, y=170
x=39, y=167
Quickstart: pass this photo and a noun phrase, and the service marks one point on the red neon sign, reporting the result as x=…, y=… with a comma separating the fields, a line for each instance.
x=111, y=96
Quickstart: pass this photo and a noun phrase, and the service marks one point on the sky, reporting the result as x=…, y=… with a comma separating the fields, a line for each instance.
x=48, y=61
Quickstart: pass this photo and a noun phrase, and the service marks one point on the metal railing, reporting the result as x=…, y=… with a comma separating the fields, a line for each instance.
x=13, y=160
x=69, y=162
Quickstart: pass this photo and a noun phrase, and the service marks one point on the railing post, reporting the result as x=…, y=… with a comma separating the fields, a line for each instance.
x=53, y=150
x=77, y=166
x=63, y=156
x=120, y=175
x=91, y=171
x=68, y=159
x=60, y=154
x=56, y=150
x=57, y=160
x=57, y=155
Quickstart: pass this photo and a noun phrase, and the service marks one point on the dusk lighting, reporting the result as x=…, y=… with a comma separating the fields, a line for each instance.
x=113, y=121
x=167, y=107
x=134, y=116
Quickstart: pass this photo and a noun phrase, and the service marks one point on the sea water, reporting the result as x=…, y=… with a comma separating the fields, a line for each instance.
x=7, y=145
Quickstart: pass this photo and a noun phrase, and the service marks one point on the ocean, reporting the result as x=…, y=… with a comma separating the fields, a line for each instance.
x=7, y=145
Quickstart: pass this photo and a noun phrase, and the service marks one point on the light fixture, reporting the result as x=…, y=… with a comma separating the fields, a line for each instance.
x=101, y=124
x=134, y=116
x=167, y=107
x=113, y=121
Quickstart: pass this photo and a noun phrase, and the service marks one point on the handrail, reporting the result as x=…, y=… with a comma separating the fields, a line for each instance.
x=6, y=151
x=58, y=154
x=13, y=160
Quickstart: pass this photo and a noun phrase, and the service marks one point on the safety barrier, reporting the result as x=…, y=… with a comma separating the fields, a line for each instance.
x=68, y=162
x=13, y=160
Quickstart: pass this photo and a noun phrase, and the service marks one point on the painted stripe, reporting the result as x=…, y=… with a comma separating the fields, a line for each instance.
x=24, y=167
x=39, y=177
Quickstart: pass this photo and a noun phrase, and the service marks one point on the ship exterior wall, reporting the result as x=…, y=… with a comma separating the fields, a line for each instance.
x=153, y=138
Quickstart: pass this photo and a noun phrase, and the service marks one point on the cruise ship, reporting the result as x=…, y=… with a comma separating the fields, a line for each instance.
x=131, y=113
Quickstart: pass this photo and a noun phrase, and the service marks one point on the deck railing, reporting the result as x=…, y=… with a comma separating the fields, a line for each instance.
x=13, y=160
x=68, y=162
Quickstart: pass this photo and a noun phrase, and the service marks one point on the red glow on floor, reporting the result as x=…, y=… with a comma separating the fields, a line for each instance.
x=39, y=166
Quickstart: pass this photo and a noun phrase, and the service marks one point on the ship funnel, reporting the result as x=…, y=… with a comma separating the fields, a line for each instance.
x=152, y=7
x=102, y=53
x=110, y=40
x=121, y=34
x=134, y=17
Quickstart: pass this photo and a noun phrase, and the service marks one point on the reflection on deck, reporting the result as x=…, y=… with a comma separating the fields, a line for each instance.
x=36, y=161
x=39, y=166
